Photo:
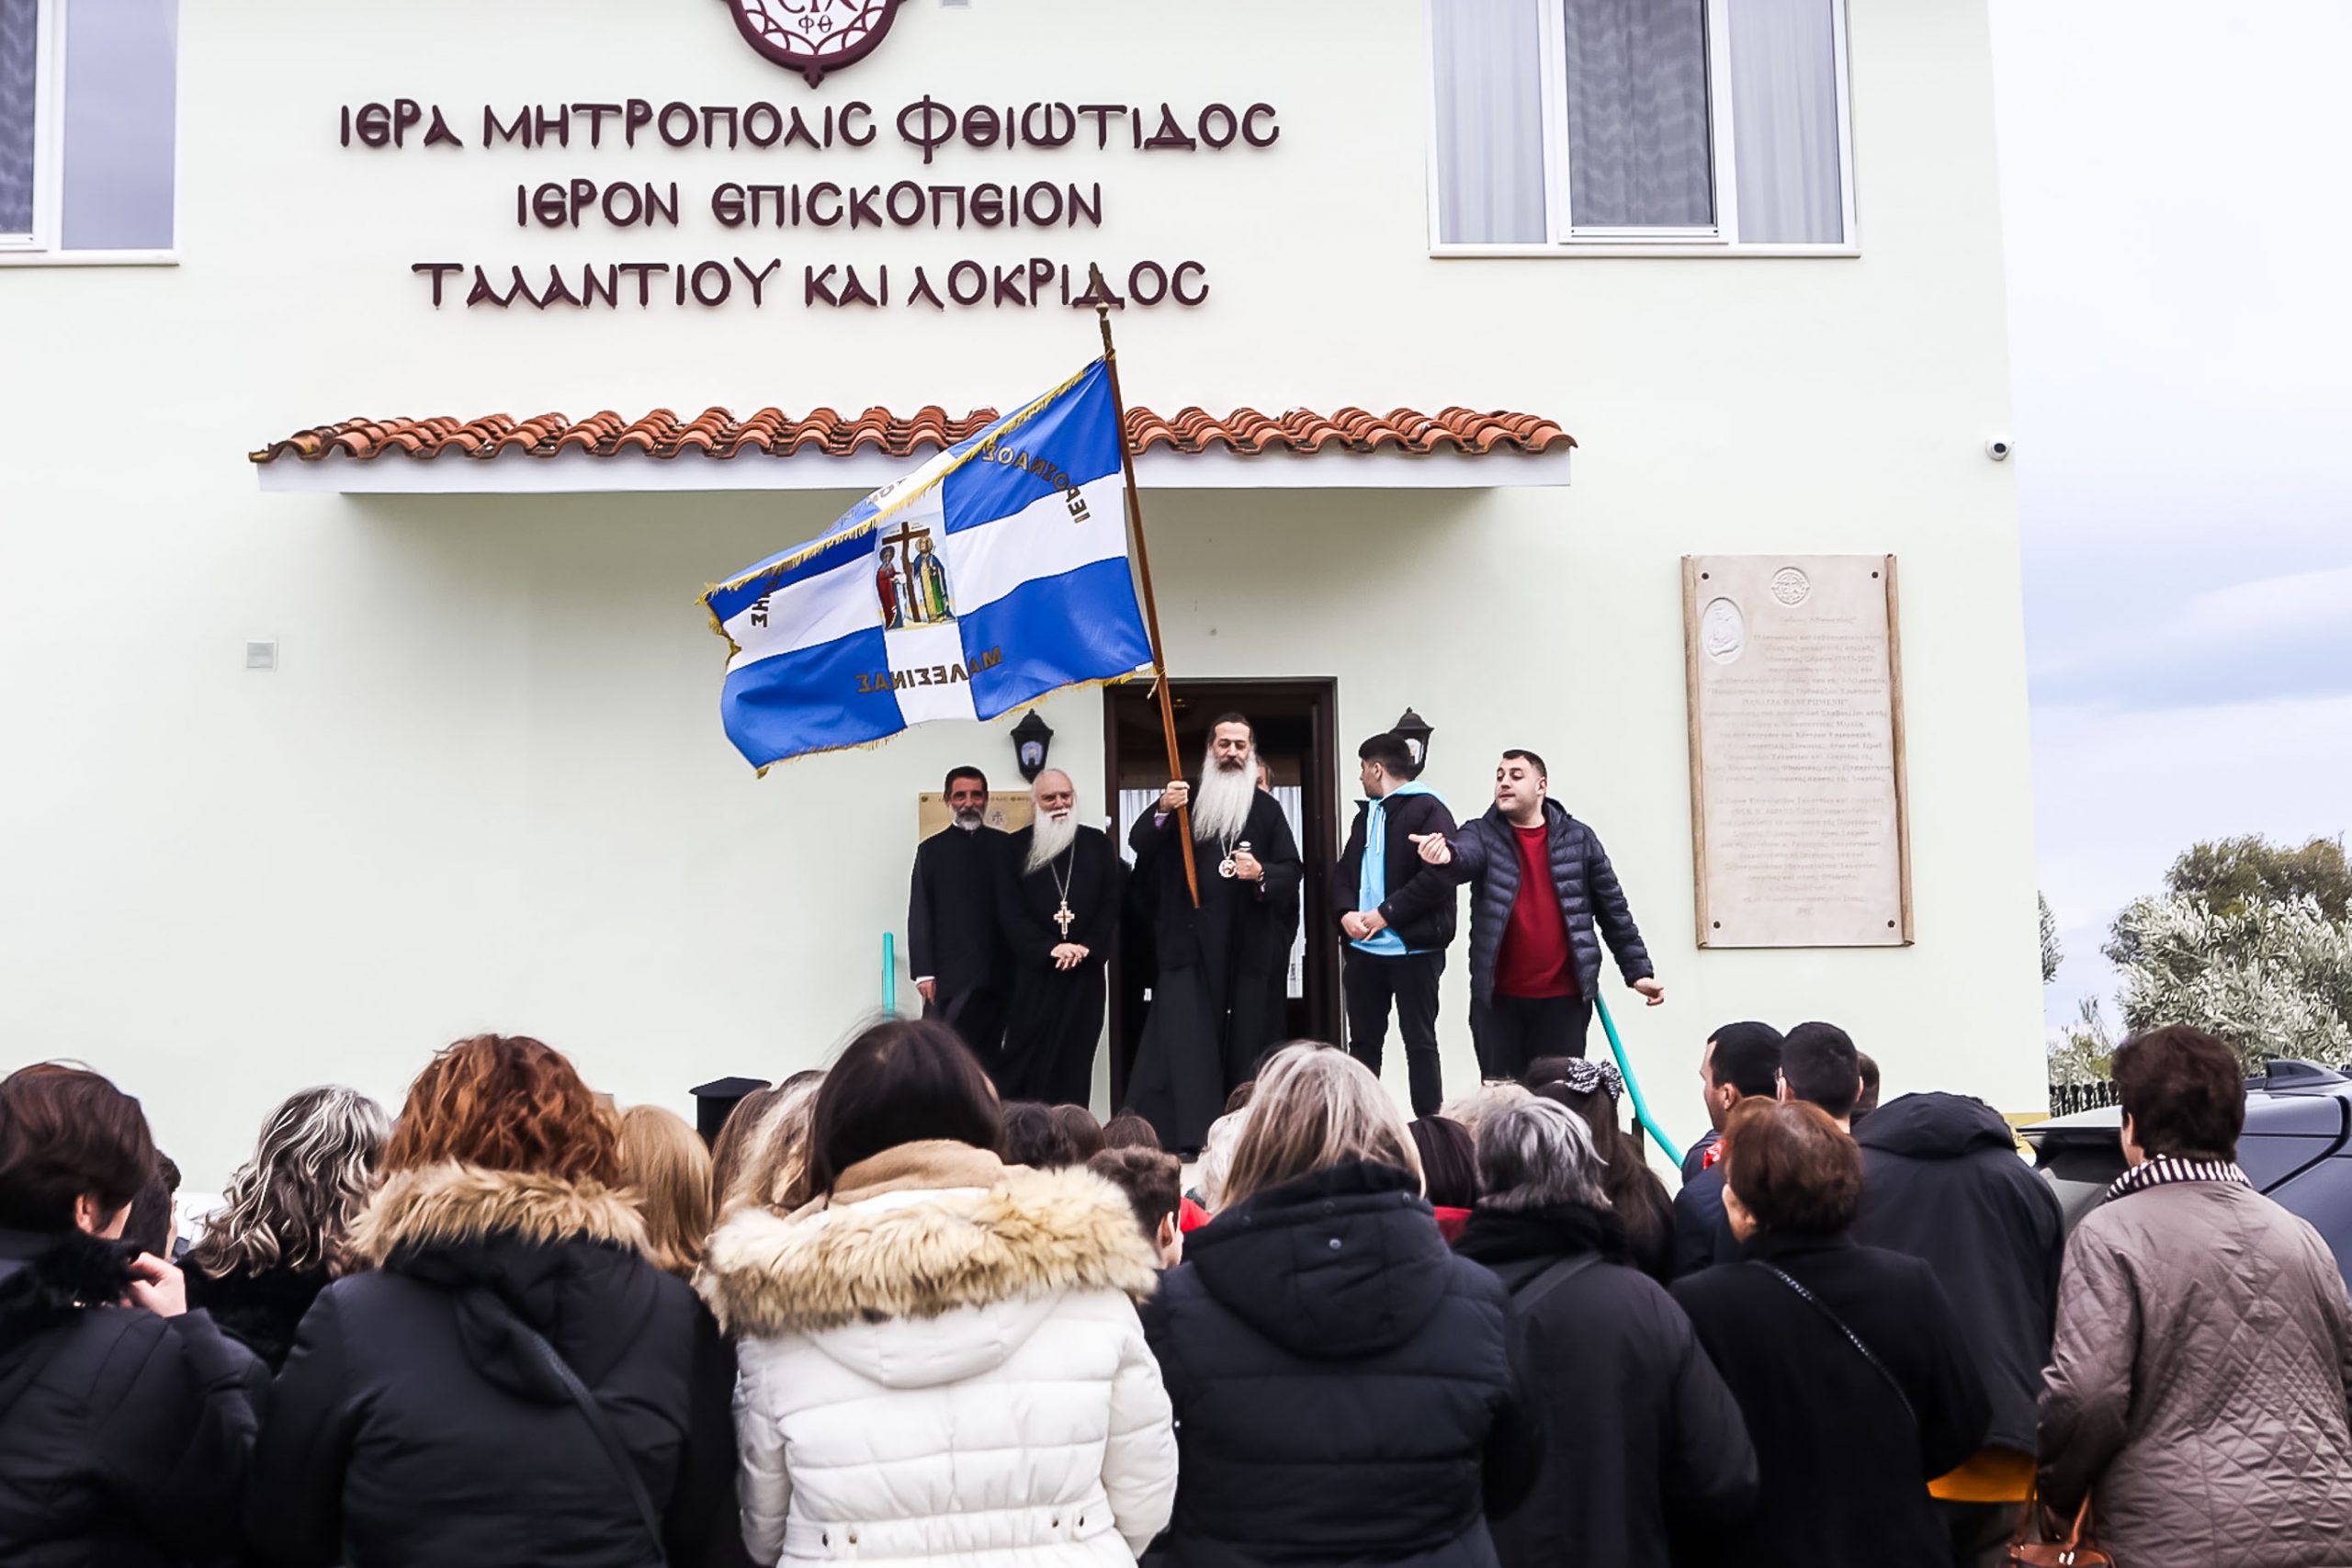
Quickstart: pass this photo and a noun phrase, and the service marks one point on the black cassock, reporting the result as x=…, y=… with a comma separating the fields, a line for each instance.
x=952, y=933
x=1213, y=1004
x=1056, y=1019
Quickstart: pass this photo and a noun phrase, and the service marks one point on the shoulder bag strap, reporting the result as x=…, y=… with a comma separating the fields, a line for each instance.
x=1851, y=1338
x=599, y=1421
x=1552, y=1278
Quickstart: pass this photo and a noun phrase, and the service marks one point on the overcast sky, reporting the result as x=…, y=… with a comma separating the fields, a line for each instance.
x=2177, y=231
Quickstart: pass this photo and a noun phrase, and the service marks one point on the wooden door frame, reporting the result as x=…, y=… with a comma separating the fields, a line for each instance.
x=1325, y=1009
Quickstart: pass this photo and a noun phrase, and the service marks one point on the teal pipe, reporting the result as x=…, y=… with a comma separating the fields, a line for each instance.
x=1633, y=1086
x=891, y=974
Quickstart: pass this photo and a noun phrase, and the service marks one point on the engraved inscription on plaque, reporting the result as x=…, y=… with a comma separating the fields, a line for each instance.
x=1796, y=751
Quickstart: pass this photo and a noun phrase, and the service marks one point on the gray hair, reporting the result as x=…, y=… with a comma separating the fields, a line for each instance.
x=292, y=1206
x=1537, y=1154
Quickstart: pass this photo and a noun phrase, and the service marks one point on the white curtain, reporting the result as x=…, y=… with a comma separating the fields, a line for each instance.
x=1784, y=121
x=1489, y=77
x=1639, y=149
x=18, y=21
x=121, y=76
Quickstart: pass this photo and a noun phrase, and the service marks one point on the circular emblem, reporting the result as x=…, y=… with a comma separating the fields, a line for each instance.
x=1790, y=586
x=813, y=37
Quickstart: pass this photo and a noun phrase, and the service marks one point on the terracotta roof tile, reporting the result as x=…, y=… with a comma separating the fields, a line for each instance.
x=717, y=433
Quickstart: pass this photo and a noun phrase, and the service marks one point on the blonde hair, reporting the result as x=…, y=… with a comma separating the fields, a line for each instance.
x=1480, y=1102
x=291, y=1206
x=771, y=1167
x=1217, y=1157
x=667, y=1170
x=1315, y=1107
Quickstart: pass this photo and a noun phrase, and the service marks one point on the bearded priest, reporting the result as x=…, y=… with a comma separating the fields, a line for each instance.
x=1059, y=910
x=1214, y=1006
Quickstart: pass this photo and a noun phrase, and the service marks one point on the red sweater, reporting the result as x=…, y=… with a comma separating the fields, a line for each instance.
x=1534, y=959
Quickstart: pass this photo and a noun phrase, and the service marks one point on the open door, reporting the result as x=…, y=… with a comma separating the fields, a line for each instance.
x=1295, y=724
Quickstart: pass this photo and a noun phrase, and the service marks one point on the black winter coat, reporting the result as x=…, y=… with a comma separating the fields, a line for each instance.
x=258, y=1311
x=1844, y=1467
x=124, y=1437
x=1421, y=905
x=1638, y=1427
x=1701, y=1230
x=1486, y=852
x=1942, y=1181
x=411, y=1430
x=1343, y=1384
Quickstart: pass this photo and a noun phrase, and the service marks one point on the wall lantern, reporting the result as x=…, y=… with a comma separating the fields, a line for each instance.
x=1032, y=739
x=1414, y=730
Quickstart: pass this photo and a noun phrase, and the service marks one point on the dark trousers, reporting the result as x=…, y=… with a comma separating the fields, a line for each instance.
x=1511, y=1031
x=979, y=1017
x=1373, y=980
x=1981, y=1532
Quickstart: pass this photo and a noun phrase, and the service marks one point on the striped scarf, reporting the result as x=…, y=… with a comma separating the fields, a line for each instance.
x=2163, y=1170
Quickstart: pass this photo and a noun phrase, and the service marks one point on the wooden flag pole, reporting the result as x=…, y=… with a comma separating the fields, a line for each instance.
x=1143, y=568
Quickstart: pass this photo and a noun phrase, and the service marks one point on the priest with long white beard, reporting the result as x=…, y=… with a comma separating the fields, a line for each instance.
x=1059, y=910
x=1214, y=1006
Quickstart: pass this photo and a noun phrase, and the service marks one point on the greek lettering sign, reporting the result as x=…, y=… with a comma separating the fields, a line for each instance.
x=794, y=177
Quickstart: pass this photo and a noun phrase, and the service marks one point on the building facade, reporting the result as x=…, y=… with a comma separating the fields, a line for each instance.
x=319, y=761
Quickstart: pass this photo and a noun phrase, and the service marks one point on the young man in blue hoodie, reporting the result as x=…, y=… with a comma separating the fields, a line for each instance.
x=1397, y=916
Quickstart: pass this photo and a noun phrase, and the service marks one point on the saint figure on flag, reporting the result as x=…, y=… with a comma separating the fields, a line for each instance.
x=886, y=584
x=928, y=575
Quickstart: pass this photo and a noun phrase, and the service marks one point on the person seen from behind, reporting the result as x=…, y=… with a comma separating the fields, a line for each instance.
x=1742, y=1061
x=126, y=1419
x=1448, y=1170
x=1342, y=1383
x=1941, y=1181
x=1640, y=1429
x=1638, y=1198
x=512, y=1380
x=283, y=1231
x=1819, y=1066
x=1854, y=1374
x=665, y=1167
x=767, y=1167
x=941, y=1359
x=1035, y=1137
x=1154, y=1184
x=2198, y=1386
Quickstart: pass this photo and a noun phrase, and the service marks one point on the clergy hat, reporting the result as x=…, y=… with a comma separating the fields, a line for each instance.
x=717, y=1100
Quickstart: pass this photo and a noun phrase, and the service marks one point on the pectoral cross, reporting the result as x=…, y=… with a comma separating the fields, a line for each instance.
x=1064, y=918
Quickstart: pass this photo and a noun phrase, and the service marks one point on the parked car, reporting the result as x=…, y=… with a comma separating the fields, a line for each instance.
x=2296, y=1148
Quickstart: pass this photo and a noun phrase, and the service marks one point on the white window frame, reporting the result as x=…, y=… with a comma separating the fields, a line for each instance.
x=44, y=246
x=1567, y=239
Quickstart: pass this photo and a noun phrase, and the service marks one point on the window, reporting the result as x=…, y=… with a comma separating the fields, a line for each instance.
x=89, y=126
x=1648, y=123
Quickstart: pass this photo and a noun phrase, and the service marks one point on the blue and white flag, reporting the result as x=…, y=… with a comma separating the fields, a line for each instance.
x=992, y=575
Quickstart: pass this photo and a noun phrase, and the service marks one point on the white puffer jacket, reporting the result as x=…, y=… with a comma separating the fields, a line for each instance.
x=943, y=1365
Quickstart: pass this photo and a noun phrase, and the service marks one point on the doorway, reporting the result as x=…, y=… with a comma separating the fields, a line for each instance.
x=1296, y=724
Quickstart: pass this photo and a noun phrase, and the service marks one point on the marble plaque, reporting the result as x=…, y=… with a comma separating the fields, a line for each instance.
x=1797, y=796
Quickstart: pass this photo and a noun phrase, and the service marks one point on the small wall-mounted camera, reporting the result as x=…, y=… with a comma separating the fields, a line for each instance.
x=1997, y=448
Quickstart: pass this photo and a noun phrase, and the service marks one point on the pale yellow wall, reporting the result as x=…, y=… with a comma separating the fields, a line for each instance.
x=487, y=788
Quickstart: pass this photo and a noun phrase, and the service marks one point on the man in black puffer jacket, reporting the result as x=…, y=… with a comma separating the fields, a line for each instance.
x=1545, y=898
x=1942, y=1181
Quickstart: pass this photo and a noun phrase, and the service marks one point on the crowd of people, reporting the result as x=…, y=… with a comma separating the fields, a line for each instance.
x=887, y=1317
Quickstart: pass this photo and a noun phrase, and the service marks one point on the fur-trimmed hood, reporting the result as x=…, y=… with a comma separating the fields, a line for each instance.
x=445, y=1203
x=921, y=1231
